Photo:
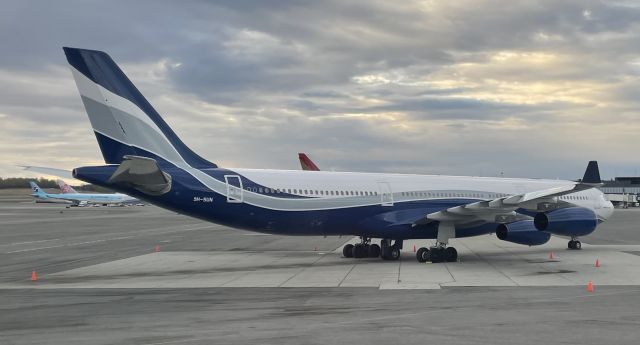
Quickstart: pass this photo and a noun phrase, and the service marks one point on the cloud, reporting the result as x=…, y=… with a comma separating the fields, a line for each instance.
x=466, y=87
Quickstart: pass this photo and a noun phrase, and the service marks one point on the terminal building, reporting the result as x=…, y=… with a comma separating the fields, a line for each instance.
x=622, y=191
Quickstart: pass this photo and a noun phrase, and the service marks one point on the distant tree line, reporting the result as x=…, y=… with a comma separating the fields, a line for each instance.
x=23, y=182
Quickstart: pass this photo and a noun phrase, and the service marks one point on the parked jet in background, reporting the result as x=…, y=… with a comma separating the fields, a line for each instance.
x=43, y=197
x=306, y=163
x=81, y=199
x=146, y=158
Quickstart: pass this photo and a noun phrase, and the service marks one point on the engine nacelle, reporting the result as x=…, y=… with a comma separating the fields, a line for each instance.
x=522, y=232
x=573, y=221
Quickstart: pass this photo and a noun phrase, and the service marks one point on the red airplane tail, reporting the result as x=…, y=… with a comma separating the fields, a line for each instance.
x=306, y=163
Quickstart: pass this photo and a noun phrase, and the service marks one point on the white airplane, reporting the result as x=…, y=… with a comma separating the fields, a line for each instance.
x=81, y=199
x=146, y=159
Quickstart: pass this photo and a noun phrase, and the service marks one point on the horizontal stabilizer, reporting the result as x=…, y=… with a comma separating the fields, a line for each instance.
x=49, y=171
x=143, y=174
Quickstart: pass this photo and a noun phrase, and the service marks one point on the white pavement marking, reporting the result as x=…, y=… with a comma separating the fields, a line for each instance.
x=29, y=242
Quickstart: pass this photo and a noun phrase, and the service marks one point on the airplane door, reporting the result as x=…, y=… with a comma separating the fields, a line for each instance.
x=234, y=188
x=386, y=196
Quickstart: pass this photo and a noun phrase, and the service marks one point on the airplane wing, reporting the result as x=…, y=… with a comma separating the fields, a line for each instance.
x=502, y=210
x=49, y=171
x=306, y=163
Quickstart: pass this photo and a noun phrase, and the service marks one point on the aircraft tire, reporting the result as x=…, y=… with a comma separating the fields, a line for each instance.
x=394, y=253
x=360, y=251
x=437, y=255
x=451, y=254
x=347, y=251
x=575, y=245
x=374, y=251
x=422, y=255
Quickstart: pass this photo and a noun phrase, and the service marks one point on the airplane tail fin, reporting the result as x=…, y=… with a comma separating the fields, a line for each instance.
x=592, y=174
x=37, y=191
x=306, y=163
x=122, y=119
x=65, y=188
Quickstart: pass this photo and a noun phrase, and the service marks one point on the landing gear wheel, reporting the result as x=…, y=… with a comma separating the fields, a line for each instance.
x=390, y=253
x=374, y=251
x=575, y=245
x=394, y=253
x=451, y=254
x=347, y=251
x=437, y=255
x=423, y=255
x=360, y=251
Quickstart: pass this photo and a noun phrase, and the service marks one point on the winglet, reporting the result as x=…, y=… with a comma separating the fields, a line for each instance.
x=592, y=174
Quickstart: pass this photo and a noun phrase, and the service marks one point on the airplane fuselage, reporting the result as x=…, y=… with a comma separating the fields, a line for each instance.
x=342, y=203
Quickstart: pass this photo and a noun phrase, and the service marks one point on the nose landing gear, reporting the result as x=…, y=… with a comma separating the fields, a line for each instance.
x=574, y=244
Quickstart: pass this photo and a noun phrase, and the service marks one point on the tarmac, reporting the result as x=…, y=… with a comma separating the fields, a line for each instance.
x=102, y=281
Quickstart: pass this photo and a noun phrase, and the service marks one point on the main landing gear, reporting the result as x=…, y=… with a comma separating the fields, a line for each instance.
x=437, y=254
x=390, y=252
x=574, y=244
x=440, y=252
x=365, y=249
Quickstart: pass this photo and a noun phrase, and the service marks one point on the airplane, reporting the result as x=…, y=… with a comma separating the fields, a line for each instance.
x=80, y=199
x=306, y=163
x=146, y=159
x=43, y=197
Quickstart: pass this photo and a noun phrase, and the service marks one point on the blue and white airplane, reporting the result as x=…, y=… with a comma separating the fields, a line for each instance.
x=80, y=199
x=146, y=159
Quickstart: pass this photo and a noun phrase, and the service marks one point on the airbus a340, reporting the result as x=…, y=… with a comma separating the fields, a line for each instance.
x=146, y=159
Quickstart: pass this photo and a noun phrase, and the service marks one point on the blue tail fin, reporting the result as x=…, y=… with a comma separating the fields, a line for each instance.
x=36, y=189
x=592, y=174
x=123, y=120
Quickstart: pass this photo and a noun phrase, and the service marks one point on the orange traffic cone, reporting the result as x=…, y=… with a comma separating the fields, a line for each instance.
x=34, y=277
x=597, y=262
x=157, y=248
x=590, y=286
x=414, y=248
x=551, y=256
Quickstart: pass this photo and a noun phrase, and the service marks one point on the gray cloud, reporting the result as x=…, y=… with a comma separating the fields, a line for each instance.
x=466, y=87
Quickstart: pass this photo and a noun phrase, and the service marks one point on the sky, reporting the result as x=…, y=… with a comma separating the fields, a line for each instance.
x=484, y=88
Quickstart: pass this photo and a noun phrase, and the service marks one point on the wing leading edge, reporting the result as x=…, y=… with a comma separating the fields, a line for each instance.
x=502, y=210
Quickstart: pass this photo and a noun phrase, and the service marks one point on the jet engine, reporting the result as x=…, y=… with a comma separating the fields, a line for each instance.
x=573, y=221
x=522, y=232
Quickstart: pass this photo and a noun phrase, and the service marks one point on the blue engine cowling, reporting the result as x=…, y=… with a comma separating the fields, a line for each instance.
x=573, y=221
x=522, y=232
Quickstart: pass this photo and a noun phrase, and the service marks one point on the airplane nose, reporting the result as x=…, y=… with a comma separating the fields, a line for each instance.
x=606, y=211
